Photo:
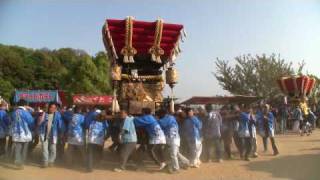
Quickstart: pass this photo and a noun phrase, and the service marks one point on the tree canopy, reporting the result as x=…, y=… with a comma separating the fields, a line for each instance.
x=254, y=75
x=71, y=70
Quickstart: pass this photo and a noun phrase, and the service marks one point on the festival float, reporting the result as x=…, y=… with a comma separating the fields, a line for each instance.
x=297, y=89
x=140, y=54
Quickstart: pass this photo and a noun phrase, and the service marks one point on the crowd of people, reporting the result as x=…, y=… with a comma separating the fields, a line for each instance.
x=296, y=118
x=174, y=141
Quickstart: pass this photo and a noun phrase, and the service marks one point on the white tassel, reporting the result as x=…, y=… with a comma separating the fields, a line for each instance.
x=159, y=60
x=125, y=59
x=153, y=57
x=115, y=104
x=131, y=60
x=173, y=57
x=172, y=106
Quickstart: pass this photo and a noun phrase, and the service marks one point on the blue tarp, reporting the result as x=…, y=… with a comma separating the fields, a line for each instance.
x=37, y=96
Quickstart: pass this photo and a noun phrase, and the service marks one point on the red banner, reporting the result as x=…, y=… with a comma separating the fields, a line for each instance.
x=91, y=100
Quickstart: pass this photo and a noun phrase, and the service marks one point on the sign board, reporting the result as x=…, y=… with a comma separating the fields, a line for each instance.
x=37, y=96
x=91, y=100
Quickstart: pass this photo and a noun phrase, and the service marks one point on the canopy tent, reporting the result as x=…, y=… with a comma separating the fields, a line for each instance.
x=37, y=96
x=221, y=100
x=92, y=100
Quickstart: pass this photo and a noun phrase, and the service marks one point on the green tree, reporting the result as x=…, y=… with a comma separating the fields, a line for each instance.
x=71, y=70
x=6, y=89
x=253, y=75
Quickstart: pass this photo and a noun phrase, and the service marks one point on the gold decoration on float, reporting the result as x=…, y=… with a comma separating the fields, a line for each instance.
x=171, y=76
x=142, y=78
x=116, y=72
x=142, y=91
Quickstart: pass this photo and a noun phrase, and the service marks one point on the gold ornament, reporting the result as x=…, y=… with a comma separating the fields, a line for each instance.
x=171, y=76
x=116, y=73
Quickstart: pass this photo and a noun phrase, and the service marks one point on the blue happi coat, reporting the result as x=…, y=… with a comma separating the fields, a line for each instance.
x=97, y=132
x=67, y=117
x=75, y=130
x=260, y=121
x=57, y=128
x=21, y=125
x=266, y=126
x=151, y=125
x=171, y=129
x=4, y=123
x=128, y=131
x=244, y=124
x=89, y=117
x=192, y=129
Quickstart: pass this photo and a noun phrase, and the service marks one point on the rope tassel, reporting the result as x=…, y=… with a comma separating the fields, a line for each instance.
x=156, y=51
x=128, y=51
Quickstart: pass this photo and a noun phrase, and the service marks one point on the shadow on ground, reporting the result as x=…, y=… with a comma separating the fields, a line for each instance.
x=109, y=161
x=297, y=167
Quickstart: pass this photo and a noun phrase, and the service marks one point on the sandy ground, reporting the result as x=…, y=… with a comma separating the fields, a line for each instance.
x=299, y=159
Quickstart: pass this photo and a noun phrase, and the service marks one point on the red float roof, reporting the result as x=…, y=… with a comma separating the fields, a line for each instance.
x=297, y=86
x=142, y=39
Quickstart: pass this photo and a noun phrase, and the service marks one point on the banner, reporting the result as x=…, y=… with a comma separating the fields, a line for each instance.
x=37, y=96
x=91, y=100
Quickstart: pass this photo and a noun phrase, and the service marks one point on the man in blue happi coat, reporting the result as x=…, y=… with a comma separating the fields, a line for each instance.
x=76, y=136
x=171, y=130
x=244, y=132
x=50, y=129
x=266, y=119
x=22, y=124
x=4, y=127
x=192, y=131
x=156, y=136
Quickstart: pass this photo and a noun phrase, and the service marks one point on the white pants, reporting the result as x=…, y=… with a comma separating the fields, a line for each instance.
x=296, y=127
x=195, y=149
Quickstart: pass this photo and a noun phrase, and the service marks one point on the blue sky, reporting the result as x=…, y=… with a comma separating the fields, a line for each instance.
x=216, y=28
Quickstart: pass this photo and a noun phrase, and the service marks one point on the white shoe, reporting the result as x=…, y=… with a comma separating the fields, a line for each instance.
x=162, y=166
x=194, y=166
x=117, y=170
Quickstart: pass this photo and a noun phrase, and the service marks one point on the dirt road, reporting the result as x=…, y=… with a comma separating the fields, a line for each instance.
x=299, y=159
